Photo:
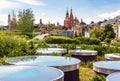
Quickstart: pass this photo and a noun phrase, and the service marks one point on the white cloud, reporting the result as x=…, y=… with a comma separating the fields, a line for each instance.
x=32, y=2
x=5, y=4
x=109, y=15
x=88, y=20
x=3, y=19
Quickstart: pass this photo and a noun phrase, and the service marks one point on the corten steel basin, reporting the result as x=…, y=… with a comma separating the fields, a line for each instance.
x=84, y=55
x=113, y=77
x=70, y=66
x=50, y=51
x=112, y=57
x=30, y=73
x=106, y=67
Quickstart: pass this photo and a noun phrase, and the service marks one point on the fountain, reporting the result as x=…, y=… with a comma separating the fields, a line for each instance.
x=106, y=67
x=113, y=77
x=84, y=55
x=50, y=51
x=112, y=57
x=30, y=73
x=70, y=66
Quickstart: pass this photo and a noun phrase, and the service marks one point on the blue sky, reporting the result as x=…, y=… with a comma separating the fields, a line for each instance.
x=54, y=10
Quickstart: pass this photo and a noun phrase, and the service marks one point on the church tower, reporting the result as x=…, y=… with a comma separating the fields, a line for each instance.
x=71, y=19
x=67, y=13
x=12, y=21
x=9, y=21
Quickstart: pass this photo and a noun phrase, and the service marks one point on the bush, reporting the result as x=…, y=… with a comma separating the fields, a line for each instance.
x=40, y=43
x=101, y=49
x=115, y=44
x=10, y=46
x=68, y=46
x=98, y=78
x=60, y=40
x=88, y=41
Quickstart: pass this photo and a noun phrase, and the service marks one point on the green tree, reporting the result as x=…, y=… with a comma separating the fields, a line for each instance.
x=25, y=22
x=95, y=33
x=107, y=32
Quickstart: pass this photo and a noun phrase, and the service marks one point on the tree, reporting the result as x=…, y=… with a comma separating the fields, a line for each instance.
x=107, y=32
x=95, y=33
x=25, y=22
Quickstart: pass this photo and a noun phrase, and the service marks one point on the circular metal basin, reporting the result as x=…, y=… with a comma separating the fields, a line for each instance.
x=49, y=51
x=113, y=77
x=112, y=57
x=106, y=67
x=84, y=55
x=70, y=66
x=30, y=73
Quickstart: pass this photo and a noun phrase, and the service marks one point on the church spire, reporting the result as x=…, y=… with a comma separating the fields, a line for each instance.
x=67, y=13
x=71, y=14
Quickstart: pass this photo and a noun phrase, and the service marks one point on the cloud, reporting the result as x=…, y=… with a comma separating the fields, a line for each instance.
x=32, y=2
x=109, y=15
x=5, y=4
x=3, y=19
x=88, y=20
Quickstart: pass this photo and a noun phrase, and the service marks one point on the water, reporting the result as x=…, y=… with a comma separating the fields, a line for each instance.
x=43, y=60
x=108, y=64
x=28, y=73
x=113, y=77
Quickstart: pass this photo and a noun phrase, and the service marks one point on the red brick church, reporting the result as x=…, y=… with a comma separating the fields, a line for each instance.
x=70, y=21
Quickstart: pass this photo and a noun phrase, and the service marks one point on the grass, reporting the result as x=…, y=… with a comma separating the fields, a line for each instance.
x=86, y=73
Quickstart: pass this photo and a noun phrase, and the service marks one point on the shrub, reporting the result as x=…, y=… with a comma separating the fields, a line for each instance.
x=98, y=78
x=101, y=49
x=40, y=43
x=15, y=47
x=68, y=46
x=60, y=40
x=115, y=44
x=88, y=41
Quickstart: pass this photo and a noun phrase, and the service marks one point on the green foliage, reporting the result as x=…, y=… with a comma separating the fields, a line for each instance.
x=25, y=22
x=68, y=46
x=40, y=43
x=67, y=40
x=2, y=60
x=115, y=44
x=98, y=78
x=101, y=49
x=87, y=64
x=59, y=40
x=95, y=33
x=88, y=41
x=55, y=54
x=107, y=32
x=15, y=47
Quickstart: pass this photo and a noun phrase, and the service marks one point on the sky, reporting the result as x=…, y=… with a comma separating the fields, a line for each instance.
x=54, y=11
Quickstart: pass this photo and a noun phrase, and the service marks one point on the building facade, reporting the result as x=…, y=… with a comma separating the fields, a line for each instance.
x=12, y=21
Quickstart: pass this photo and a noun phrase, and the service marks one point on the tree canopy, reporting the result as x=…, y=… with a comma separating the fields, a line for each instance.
x=107, y=32
x=25, y=22
x=104, y=33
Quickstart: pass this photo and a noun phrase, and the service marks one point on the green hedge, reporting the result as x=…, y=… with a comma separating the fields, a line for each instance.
x=115, y=44
x=60, y=40
x=101, y=49
x=10, y=46
x=40, y=43
x=88, y=41
x=68, y=40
